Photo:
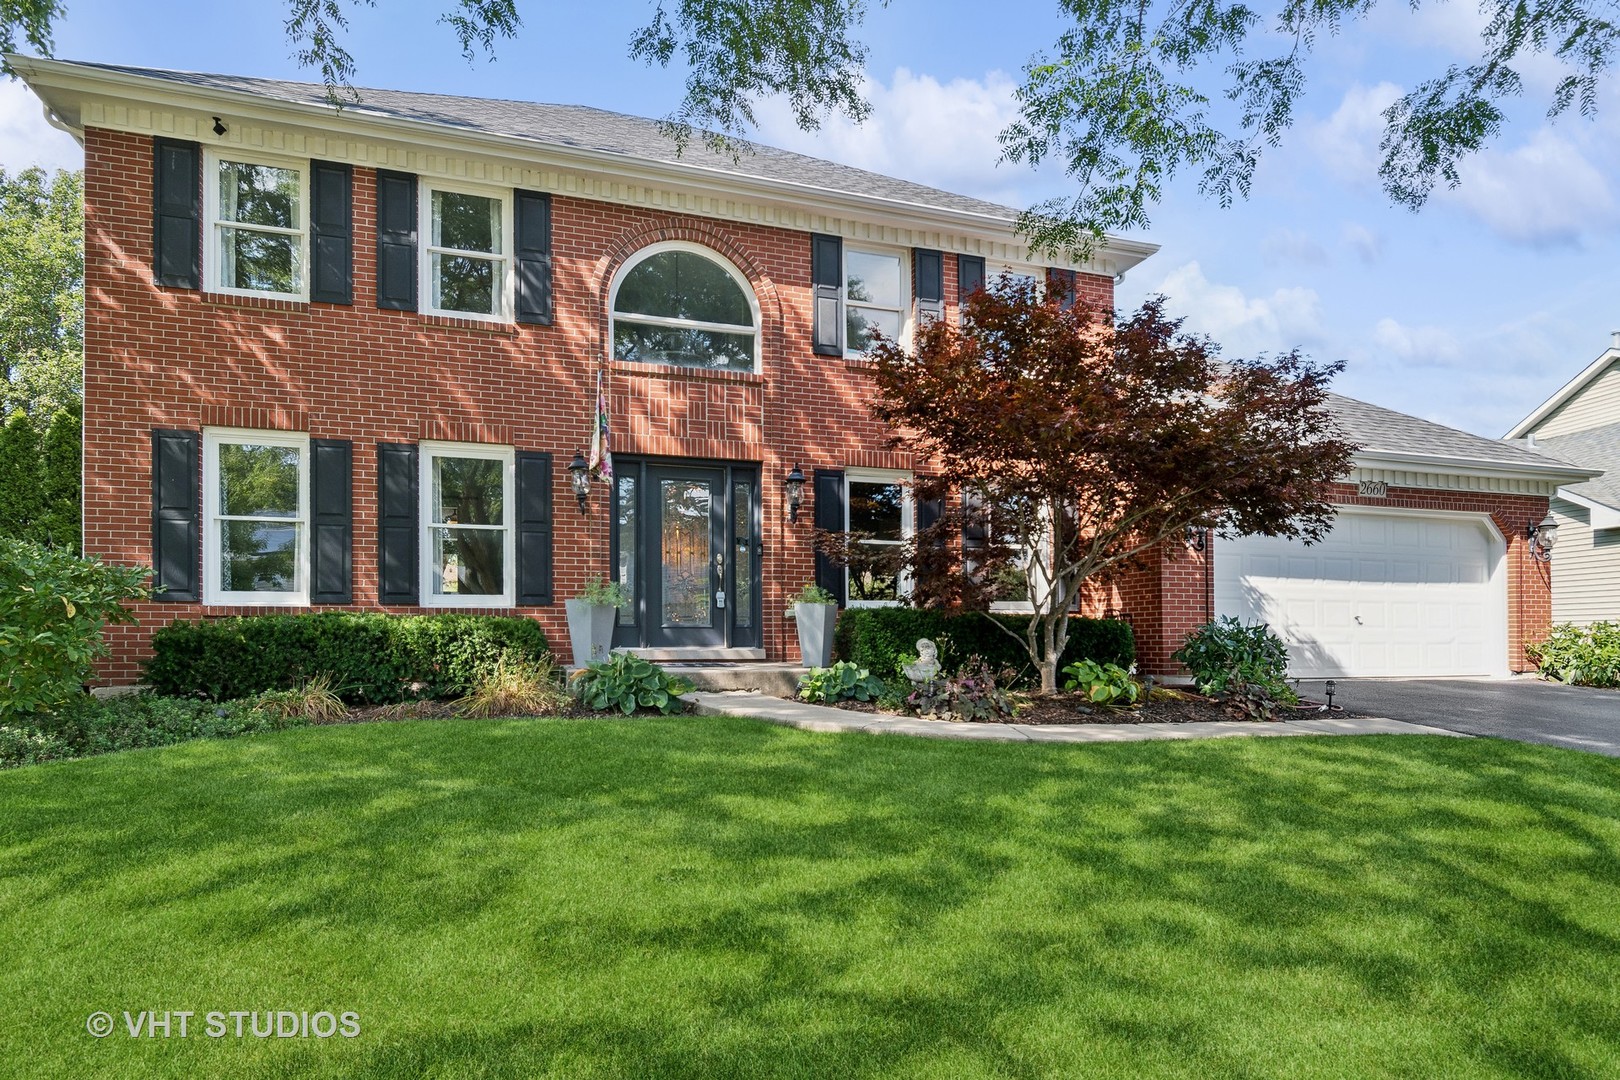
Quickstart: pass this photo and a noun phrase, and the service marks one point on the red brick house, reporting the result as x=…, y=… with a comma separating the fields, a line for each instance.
x=344, y=359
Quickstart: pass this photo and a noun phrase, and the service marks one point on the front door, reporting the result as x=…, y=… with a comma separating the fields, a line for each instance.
x=686, y=548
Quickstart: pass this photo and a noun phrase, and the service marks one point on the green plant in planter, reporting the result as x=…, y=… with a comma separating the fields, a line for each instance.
x=1107, y=685
x=841, y=682
x=626, y=683
x=811, y=593
x=600, y=590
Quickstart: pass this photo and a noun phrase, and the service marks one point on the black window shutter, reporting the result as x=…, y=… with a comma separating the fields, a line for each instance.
x=827, y=279
x=1061, y=283
x=397, y=570
x=830, y=518
x=177, y=213
x=969, y=276
x=176, y=515
x=331, y=232
x=331, y=532
x=533, y=230
x=930, y=283
x=533, y=528
x=396, y=241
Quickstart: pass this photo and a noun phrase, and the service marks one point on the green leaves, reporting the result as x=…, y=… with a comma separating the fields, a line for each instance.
x=625, y=683
x=843, y=681
x=41, y=290
x=1107, y=685
x=53, y=606
x=1580, y=655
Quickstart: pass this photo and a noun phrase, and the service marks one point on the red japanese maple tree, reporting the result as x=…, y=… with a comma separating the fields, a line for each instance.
x=1090, y=442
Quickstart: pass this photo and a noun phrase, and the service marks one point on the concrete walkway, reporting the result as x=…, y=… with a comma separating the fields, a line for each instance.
x=809, y=717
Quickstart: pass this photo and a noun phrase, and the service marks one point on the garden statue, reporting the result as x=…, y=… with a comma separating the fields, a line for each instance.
x=925, y=668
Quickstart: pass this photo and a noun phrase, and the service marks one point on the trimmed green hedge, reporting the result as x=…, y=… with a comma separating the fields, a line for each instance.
x=875, y=637
x=373, y=659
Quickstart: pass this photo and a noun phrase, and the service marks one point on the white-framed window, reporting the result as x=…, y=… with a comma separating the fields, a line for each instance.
x=466, y=263
x=687, y=305
x=255, y=517
x=877, y=296
x=258, y=225
x=469, y=547
x=877, y=504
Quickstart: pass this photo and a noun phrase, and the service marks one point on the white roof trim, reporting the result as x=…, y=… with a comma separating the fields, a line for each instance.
x=1604, y=516
x=1570, y=389
x=1466, y=466
x=58, y=75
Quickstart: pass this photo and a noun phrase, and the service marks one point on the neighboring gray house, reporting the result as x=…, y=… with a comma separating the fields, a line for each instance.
x=1581, y=423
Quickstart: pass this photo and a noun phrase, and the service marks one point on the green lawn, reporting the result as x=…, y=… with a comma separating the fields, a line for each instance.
x=718, y=898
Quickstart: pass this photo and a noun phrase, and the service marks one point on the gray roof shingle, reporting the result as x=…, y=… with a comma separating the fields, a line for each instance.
x=1596, y=448
x=592, y=129
x=1380, y=429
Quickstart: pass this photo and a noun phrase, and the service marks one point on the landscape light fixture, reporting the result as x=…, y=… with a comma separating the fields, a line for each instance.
x=219, y=126
x=579, y=474
x=793, y=488
x=1542, y=538
x=1330, y=688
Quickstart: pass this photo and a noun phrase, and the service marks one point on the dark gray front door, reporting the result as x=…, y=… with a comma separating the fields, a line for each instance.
x=686, y=546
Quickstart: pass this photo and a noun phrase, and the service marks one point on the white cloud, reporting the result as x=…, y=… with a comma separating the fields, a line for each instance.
x=1289, y=246
x=940, y=134
x=1426, y=346
x=1347, y=142
x=27, y=139
x=1542, y=193
x=1366, y=243
x=1244, y=326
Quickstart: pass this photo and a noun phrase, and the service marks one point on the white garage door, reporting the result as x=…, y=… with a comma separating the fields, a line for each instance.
x=1384, y=594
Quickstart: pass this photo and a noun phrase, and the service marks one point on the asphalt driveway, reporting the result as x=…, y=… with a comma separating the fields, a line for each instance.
x=1528, y=710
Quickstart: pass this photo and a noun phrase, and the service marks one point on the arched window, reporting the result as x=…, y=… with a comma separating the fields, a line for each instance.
x=685, y=305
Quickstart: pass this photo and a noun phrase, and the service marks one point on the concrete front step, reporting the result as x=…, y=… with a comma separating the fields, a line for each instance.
x=777, y=680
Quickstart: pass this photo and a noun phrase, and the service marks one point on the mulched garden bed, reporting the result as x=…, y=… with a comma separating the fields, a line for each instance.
x=1063, y=708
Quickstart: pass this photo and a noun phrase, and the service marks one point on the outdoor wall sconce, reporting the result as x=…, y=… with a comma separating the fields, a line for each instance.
x=219, y=126
x=1197, y=537
x=579, y=474
x=793, y=488
x=1542, y=538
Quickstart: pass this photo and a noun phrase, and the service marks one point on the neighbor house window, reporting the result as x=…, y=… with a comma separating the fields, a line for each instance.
x=876, y=297
x=467, y=263
x=468, y=541
x=878, y=509
x=681, y=304
x=258, y=213
x=255, y=515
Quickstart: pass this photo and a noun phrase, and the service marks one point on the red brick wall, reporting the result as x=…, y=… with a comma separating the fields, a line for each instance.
x=184, y=359
x=1166, y=601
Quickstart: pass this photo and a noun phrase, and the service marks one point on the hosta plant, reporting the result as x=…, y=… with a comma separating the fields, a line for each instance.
x=841, y=682
x=625, y=683
x=1107, y=685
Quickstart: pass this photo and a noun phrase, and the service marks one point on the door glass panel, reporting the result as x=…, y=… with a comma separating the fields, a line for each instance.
x=627, y=547
x=686, y=552
x=742, y=553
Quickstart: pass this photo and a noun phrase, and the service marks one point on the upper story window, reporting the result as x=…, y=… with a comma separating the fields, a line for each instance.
x=684, y=305
x=466, y=263
x=259, y=217
x=878, y=506
x=469, y=550
x=255, y=515
x=876, y=297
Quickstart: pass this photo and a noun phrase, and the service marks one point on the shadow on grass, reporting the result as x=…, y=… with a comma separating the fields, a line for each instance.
x=701, y=898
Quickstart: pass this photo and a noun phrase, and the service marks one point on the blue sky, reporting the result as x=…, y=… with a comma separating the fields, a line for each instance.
x=1470, y=312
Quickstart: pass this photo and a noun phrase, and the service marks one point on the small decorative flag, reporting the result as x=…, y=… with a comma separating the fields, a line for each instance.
x=601, y=445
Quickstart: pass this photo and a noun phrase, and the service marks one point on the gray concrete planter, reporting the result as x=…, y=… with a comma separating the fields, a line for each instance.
x=590, y=630
x=815, y=623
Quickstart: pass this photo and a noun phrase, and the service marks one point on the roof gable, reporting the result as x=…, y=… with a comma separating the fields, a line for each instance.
x=1600, y=378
